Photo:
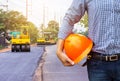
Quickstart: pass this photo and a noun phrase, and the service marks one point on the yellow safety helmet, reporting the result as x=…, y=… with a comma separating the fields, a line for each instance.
x=77, y=46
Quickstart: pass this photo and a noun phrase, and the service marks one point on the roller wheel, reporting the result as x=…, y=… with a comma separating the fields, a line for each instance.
x=28, y=48
x=13, y=48
x=18, y=48
x=23, y=48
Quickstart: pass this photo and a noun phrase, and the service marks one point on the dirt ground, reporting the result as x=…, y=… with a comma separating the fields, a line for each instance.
x=5, y=49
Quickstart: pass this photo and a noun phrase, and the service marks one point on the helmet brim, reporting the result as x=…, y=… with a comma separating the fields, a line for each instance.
x=84, y=53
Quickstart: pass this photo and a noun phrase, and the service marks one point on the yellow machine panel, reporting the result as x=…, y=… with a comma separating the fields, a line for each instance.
x=46, y=39
x=20, y=41
x=41, y=41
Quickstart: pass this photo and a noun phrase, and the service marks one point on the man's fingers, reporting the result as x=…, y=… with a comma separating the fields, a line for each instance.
x=65, y=59
x=70, y=61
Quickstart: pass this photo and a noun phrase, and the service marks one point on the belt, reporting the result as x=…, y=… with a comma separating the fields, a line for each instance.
x=104, y=57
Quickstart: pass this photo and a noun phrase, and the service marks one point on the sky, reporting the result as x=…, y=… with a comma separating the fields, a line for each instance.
x=39, y=11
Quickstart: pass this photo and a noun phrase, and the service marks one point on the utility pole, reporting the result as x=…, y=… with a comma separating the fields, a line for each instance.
x=28, y=7
x=7, y=5
x=43, y=15
x=43, y=20
x=54, y=15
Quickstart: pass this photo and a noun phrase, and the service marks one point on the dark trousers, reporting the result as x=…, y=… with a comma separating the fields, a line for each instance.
x=99, y=70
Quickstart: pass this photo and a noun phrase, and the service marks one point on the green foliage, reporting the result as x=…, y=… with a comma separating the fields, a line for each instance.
x=84, y=20
x=1, y=47
x=53, y=27
x=51, y=31
x=14, y=20
x=33, y=31
x=42, y=27
x=84, y=33
x=2, y=18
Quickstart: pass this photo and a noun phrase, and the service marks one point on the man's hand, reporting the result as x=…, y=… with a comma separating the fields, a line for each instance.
x=61, y=55
x=64, y=59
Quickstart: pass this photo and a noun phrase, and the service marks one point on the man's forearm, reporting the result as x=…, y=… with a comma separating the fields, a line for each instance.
x=60, y=45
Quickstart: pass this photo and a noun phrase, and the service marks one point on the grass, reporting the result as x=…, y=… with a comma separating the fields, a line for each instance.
x=1, y=47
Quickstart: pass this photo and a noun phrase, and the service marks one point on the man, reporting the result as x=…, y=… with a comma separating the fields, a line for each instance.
x=104, y=31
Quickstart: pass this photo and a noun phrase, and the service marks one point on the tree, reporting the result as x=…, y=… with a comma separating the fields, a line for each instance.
x=2, y=19
x=84, y=20
x=53, y=25
x=14, y=20
x=52, y=28
x=33, y=31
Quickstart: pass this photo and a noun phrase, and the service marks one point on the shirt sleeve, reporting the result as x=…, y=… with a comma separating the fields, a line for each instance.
x=72, y=16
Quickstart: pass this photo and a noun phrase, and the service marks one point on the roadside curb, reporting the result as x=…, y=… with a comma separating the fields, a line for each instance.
x=5, y=50
x=38, y=76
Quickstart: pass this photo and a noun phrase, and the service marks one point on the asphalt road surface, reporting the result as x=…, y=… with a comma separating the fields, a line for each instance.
x=38, y=65
x=53, y=70
x=19, y=66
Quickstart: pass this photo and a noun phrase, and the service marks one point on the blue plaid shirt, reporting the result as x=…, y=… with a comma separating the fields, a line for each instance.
x=103, y=21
